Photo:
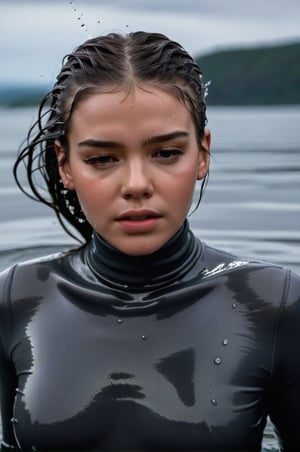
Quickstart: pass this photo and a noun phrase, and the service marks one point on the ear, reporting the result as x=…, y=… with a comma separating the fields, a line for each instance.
x=204, y=155
x=63, y=166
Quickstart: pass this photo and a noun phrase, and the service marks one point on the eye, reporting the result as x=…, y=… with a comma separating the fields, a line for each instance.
x=167, y=155
x=104, y=160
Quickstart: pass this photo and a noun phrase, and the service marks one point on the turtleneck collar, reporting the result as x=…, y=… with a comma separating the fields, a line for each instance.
x=166, y=265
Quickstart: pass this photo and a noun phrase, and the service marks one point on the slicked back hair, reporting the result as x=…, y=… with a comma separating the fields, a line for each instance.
x=102, y=64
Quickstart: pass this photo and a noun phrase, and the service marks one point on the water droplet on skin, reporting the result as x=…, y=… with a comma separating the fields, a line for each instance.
x=214, y=402
x=225, y=342
x=234, y=306
x=217, y=360
x=120, y=321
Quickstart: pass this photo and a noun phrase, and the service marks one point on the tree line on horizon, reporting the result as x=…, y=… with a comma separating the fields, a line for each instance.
x=253, y=76
x=246, y=76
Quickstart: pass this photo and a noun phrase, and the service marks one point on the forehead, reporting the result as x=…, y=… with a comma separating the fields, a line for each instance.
x=137, y=107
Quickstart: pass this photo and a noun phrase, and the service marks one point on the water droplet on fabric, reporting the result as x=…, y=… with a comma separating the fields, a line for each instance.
x=210, y=391
x=18, y=391
x=144, y=337
x=217, y=360
x=225, y=342
x=120, y=321
x=214, y=402
x=234, y=306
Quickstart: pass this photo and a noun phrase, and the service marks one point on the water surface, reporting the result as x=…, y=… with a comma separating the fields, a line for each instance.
x=251, y=206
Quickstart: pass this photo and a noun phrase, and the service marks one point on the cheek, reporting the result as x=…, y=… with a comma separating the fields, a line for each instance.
x=185, y=196
x=181, y=190
x=95, y=196
x=88, y=197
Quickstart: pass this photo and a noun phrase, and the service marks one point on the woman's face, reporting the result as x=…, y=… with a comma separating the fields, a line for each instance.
x=133, y=161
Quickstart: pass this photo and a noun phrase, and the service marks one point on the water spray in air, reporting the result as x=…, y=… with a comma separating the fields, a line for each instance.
x=80, y=17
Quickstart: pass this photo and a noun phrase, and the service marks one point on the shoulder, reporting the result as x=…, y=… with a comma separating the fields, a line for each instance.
x=6, y=277
x=264, y=279
x=219, y=261
x=19, y=277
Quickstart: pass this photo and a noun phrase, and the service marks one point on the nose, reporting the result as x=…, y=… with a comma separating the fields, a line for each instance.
x=137, y=180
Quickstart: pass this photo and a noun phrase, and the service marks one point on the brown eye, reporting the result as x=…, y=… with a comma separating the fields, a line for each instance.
x=168, y=155
x=101, y=160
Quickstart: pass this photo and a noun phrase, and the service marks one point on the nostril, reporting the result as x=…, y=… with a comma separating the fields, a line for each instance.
x=137, y=195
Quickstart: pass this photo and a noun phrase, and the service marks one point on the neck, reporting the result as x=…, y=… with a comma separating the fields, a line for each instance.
x=166, y=265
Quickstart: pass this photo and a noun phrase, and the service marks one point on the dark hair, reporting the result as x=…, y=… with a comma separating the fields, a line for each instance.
x=102, y=64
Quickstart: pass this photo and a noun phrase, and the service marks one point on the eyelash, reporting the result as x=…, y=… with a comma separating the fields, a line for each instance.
x=166, y=156
x=98, y=160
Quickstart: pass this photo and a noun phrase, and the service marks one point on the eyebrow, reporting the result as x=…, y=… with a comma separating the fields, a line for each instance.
x=166, y=137
x=152, y=140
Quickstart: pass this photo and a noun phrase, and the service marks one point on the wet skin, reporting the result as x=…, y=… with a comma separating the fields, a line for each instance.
x=134, y=160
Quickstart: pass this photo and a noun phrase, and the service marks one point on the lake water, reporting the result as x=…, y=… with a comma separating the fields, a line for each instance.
x=251, y=206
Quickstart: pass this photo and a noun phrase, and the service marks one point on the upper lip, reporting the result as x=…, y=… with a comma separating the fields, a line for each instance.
x=138, y=213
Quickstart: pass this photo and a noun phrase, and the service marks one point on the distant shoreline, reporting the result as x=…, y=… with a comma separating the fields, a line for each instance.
x=257, y=76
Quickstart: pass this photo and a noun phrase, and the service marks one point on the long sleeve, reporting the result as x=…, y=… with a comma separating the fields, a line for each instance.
x=197, y=364
x=285, y=387
x=7, y=373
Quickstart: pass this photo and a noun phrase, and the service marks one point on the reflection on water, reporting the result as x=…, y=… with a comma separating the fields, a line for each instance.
x=251, y=206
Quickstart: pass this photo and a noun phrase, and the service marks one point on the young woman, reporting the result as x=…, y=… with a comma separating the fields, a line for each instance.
x=144, y=338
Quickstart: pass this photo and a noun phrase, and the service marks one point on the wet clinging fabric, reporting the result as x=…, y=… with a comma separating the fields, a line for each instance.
x=189, y=348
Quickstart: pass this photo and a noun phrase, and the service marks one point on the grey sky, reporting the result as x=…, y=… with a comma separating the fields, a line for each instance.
x=36, y=34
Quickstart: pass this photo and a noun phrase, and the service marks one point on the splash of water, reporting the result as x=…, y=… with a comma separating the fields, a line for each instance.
x=80, y=17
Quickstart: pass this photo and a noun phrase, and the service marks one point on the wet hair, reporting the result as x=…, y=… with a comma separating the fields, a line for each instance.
x=102, y=64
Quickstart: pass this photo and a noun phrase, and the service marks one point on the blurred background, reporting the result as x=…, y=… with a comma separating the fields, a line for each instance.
x=36, y=34
x=249, y=50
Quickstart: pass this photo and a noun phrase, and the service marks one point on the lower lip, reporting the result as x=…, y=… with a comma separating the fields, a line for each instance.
x=136, y=226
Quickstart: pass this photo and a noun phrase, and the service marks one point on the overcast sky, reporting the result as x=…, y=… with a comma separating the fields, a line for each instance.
x=35, y=35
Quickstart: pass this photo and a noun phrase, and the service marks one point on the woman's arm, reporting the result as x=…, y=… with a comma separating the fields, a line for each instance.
x=8, y=381
x=285, y=390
